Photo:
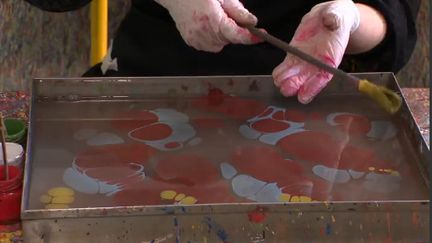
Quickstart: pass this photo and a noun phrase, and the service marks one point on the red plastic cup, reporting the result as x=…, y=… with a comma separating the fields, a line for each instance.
x=10, y=195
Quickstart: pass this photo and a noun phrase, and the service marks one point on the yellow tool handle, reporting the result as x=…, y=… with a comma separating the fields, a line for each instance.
x=386, y=98
x=99, y=30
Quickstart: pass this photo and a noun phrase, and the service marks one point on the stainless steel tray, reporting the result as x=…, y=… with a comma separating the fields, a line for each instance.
x=71, y=119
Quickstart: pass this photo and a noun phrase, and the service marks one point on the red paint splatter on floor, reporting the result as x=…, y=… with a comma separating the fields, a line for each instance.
x=257, y=216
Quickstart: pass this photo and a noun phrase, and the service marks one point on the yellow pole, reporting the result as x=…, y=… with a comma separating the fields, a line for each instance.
x=99, y=30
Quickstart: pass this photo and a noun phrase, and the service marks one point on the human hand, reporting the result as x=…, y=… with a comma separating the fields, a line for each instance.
x=324, y=33
x=209, y=25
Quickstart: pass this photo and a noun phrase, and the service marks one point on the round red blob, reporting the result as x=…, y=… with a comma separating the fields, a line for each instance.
x=279, y=115
x=153, y=132
x=130, y=120
x=114, y=155
x=233, y=107
x=187, y=169
x=269, y=126
x=267, y=112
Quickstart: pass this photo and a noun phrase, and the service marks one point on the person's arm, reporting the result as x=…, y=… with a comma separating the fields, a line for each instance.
x=394, y=51
x=370, y=32
x=379, y=35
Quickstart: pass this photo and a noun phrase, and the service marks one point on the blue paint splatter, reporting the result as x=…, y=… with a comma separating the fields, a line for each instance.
x=328, y=229
x=220, y=232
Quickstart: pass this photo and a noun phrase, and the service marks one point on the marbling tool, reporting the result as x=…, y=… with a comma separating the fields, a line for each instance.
x=386, y=98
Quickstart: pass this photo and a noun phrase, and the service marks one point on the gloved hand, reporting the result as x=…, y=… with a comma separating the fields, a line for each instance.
x=209, y=25
x=323, y=33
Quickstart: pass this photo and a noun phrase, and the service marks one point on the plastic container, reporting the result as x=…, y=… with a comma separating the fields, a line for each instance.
x=15, y=130
x=15, y=155
x=10, y=195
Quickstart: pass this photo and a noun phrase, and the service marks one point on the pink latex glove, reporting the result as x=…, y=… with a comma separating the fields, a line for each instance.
x=209, y=25
x=323, y=33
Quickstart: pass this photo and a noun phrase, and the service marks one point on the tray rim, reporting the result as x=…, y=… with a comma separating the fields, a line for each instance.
x=30, y=214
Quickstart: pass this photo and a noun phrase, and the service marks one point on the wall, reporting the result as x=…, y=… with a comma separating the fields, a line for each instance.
x=34, y=43
x=416, y=73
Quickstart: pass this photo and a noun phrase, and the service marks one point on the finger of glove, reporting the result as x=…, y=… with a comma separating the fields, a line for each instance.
x=280, y=73
x=290, y=75
x=202, y=42
x=340, y=14
x=236, y=34
x=239, y=13
x=313, y=86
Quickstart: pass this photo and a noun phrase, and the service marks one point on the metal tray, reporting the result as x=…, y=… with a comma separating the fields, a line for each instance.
x=72, y=118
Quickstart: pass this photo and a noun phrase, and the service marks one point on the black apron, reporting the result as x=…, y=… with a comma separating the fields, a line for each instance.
x=148, y=44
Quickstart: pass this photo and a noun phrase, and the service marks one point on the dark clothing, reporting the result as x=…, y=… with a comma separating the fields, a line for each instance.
x=59, y=5
x=148, y=43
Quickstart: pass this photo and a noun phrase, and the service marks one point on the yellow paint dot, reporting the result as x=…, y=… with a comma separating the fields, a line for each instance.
x=61, y=191
x=179, y=197
x=395, y=173
x=305, y=199
x=188, y=200
x=371, y=168
x=387, y=170
x=284, y=197
x=295, y=199
x=168, y=194
x=63, y=200
x=56, y=206
x=45, y=199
